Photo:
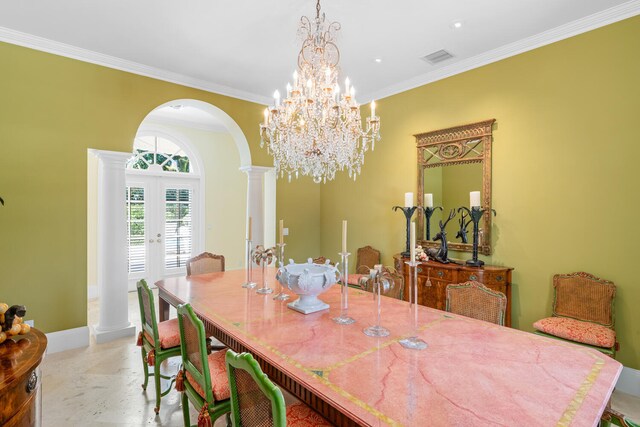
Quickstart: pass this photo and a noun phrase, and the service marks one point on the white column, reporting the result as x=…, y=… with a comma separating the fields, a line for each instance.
x=256, y=204
x=112, y=248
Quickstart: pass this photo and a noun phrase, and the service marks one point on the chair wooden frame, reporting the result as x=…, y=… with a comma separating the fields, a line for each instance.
x=204, y=255
x=216, y=408
x=247, y=363
x=557, y=282
x=150, y=328
x=478, y=287
x=364, y=253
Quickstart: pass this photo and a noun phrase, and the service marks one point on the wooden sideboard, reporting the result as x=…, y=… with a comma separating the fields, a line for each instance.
x=20, y=393
x=440, y=275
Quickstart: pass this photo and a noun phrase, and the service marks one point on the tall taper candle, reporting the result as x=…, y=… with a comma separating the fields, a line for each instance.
x=413, y=241
x=281, y=231
x=474, y=199
x=249, y=230
x=344, y=236
x=408, y=200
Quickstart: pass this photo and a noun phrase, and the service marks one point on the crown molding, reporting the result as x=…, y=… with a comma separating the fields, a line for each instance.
x=583, y=25
x=19, y=38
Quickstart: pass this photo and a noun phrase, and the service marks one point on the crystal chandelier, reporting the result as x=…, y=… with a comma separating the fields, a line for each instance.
x=316, y=129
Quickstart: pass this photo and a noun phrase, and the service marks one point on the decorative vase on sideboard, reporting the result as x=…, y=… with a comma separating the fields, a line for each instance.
x=440, y=275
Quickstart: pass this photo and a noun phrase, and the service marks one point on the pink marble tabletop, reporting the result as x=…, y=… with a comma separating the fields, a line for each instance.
x=473, y=373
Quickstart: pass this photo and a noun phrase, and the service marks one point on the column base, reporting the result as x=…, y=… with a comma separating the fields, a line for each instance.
x=112, y=334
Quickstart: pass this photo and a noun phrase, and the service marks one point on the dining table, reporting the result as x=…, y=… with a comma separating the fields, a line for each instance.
x=472, y=373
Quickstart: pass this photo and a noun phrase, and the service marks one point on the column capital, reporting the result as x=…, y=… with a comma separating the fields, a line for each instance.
x=115, y=158
x=253, y=171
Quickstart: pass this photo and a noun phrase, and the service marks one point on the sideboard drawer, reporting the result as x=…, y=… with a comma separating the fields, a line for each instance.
x=436, y=273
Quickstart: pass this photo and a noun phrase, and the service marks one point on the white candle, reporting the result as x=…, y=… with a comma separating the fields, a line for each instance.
x=346, y=86
x=288, y=90
x=295, y=78
x=276, y=96
x=474, y=199
x=266, y=117
x=344, y=236
x=413, y=241
x=281, y=231
x=249, y=229
x=428, y=200
x=408, y=200
x=373, y=110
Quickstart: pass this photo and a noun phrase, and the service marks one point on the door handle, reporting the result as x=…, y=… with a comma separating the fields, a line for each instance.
x=159, y=240
x=150, y=240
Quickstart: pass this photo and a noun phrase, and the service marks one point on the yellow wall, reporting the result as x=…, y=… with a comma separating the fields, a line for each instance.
x=55, y=109
x=564, y=168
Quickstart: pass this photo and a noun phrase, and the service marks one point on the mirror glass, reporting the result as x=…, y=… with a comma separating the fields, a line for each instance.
x=450, y=186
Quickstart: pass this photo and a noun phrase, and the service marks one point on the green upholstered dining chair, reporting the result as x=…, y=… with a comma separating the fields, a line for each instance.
x=256, y=401
x=475, y=300
x=611, y=417
x=203, y=378
x=583, y=312
x=157, y=341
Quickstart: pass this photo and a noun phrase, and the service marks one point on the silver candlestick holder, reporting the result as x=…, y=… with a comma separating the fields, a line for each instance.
x=250, y=284
x=344, y=318
x=413, y=342
x=379, y=280
x=281, y=295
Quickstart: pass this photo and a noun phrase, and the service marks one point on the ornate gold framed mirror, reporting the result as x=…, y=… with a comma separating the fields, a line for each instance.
x=452, y=163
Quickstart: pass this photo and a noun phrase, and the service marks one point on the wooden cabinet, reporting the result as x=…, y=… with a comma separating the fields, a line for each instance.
x=20, y=393
x=440, y=275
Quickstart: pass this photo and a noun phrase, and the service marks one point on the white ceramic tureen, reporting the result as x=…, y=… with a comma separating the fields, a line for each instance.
x=308, y=280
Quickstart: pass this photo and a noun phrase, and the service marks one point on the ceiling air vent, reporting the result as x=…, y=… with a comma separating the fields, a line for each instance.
x=436, y=57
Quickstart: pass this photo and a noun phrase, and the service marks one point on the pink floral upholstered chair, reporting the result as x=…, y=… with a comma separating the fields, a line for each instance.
x=582, y=312
x=205, y=263
x=473, y=299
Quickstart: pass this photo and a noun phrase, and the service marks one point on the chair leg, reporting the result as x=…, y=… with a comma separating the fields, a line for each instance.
x=185, y=409
x=228, y=416
x=156, y=377
x=145, y=368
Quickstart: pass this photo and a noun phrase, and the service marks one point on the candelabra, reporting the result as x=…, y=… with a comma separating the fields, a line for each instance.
x=344, y=318
x=413, y=342
x=408, y=213
x=475, y=213
x=250, y=284
x=281, y=296
x=428, y=211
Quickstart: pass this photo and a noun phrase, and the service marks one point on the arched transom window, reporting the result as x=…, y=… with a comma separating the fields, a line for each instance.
x=156, y=153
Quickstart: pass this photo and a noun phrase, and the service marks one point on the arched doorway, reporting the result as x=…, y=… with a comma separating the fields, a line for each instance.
x=255, y=199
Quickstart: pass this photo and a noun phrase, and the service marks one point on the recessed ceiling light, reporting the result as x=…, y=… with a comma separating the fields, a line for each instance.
x=456, y=25
x=177, y=106
x=378, y=60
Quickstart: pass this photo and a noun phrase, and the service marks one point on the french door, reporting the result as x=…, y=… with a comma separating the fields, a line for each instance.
x=163, y=226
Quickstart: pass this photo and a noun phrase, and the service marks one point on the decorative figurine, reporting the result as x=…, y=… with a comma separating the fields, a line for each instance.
x=462, y=233
x=11, y=321
x=442, y=254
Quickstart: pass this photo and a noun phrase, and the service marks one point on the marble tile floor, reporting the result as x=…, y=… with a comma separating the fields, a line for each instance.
x=100, y=386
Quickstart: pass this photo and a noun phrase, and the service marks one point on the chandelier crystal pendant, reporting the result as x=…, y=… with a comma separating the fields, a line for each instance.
x=316, y=129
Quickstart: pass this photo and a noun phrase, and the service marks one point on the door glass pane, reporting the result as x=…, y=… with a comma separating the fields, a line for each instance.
x=178, y=227
x=135, y=229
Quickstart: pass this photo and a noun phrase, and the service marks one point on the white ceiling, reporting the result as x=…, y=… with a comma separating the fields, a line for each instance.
x=248, y=48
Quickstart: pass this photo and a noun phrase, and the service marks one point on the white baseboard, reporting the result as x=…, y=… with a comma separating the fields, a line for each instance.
x=105, y=336
x=92, y=292
x=629, y=381
x=68, y=339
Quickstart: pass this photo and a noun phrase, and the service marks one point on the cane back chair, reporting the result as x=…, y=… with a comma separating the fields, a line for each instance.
x=203, y=378
x=473, y=299
x=583, y=312
x=157, y=341
x=256, y=401
x=205, y=263
x=396, y=282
